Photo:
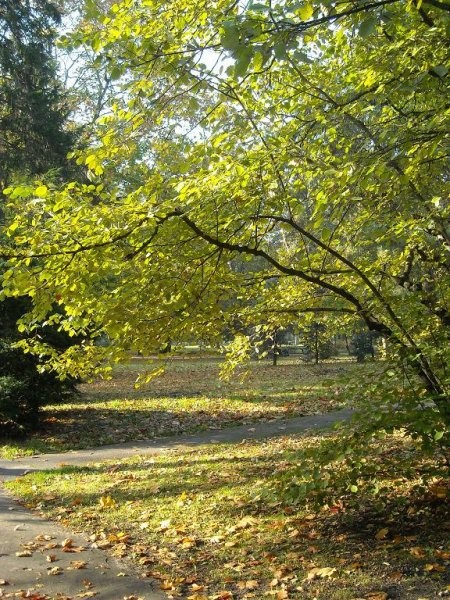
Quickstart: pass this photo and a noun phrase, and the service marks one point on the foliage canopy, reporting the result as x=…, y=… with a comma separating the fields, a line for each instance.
x=260, y=163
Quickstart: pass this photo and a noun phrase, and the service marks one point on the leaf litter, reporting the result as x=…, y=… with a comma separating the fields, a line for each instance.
x=188, y=397
x=217, y=529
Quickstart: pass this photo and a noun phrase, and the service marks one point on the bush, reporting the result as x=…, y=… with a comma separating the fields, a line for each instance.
x=23, y=391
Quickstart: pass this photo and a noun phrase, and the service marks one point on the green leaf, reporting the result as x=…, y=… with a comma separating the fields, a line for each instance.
x=368, y=26
x=440, y=70
x=280, y=49
x=438, y=435
x=244, y=57
x=305, y=12
x=258, y=7
x=230, y=38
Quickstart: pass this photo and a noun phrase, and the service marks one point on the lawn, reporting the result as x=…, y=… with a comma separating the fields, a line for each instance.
x=188, y=397
x=214, y=523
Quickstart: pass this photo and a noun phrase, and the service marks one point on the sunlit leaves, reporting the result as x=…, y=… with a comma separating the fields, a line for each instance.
x=251, y=175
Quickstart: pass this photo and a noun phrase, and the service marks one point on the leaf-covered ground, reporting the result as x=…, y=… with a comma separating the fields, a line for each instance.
x=208, y=524
x=188, y=397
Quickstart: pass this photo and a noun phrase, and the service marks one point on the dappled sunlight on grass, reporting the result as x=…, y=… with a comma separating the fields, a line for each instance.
x=188, y=397
x=215, y=518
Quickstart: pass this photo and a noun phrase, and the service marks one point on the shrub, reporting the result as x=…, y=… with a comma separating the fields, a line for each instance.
x=24, y=390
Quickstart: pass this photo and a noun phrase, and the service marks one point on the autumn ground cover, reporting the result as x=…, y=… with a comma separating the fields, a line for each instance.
x=188, y=397
x=215, y=523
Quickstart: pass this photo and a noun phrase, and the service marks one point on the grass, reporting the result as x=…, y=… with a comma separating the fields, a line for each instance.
x=188, y=397
x=213, y=523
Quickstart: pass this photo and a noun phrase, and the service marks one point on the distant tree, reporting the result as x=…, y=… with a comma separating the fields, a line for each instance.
x=33, y=140
x=33, y=137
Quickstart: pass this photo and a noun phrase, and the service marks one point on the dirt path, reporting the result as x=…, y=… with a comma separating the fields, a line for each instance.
x=56, y=564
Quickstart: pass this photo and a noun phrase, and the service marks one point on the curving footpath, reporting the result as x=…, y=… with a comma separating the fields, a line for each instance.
x=47, y=561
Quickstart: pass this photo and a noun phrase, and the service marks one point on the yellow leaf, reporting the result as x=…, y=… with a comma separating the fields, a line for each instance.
x=382, y=533
x=107, y=502
x=252, y=584
x=41, y=191
x=320, y=573
x=305, y=12
x=377, y=596
x=417, y=552
x=167, y=585
x=246, y=522
x=434, y=567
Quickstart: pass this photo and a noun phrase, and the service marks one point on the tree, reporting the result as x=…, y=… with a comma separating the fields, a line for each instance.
x=320, y=150
x=33, y=140
x=32, y=116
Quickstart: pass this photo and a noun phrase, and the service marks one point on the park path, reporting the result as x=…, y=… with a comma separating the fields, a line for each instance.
x=102, y=576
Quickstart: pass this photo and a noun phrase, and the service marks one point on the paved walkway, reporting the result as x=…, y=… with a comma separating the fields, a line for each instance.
x=55, y=568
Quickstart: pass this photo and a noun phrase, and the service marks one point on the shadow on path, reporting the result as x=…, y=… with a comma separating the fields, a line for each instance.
x=22, y=530
x=10, y=469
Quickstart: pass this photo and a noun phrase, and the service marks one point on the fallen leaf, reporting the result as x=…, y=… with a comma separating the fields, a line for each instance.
x=215, y=539
x=187, y=543
x=246, y=522
x=54, y=571
x=417, y=552
x=224, y=595
x=167, y=585
x=377, y=596
x=381, y=533
x=320, y=573
x=78, y=564
x=24, y=554
x=164, y=525
x=107, y=502
x=252, y=584
x=434, y=567
x=439, y=490
x=50, y=558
